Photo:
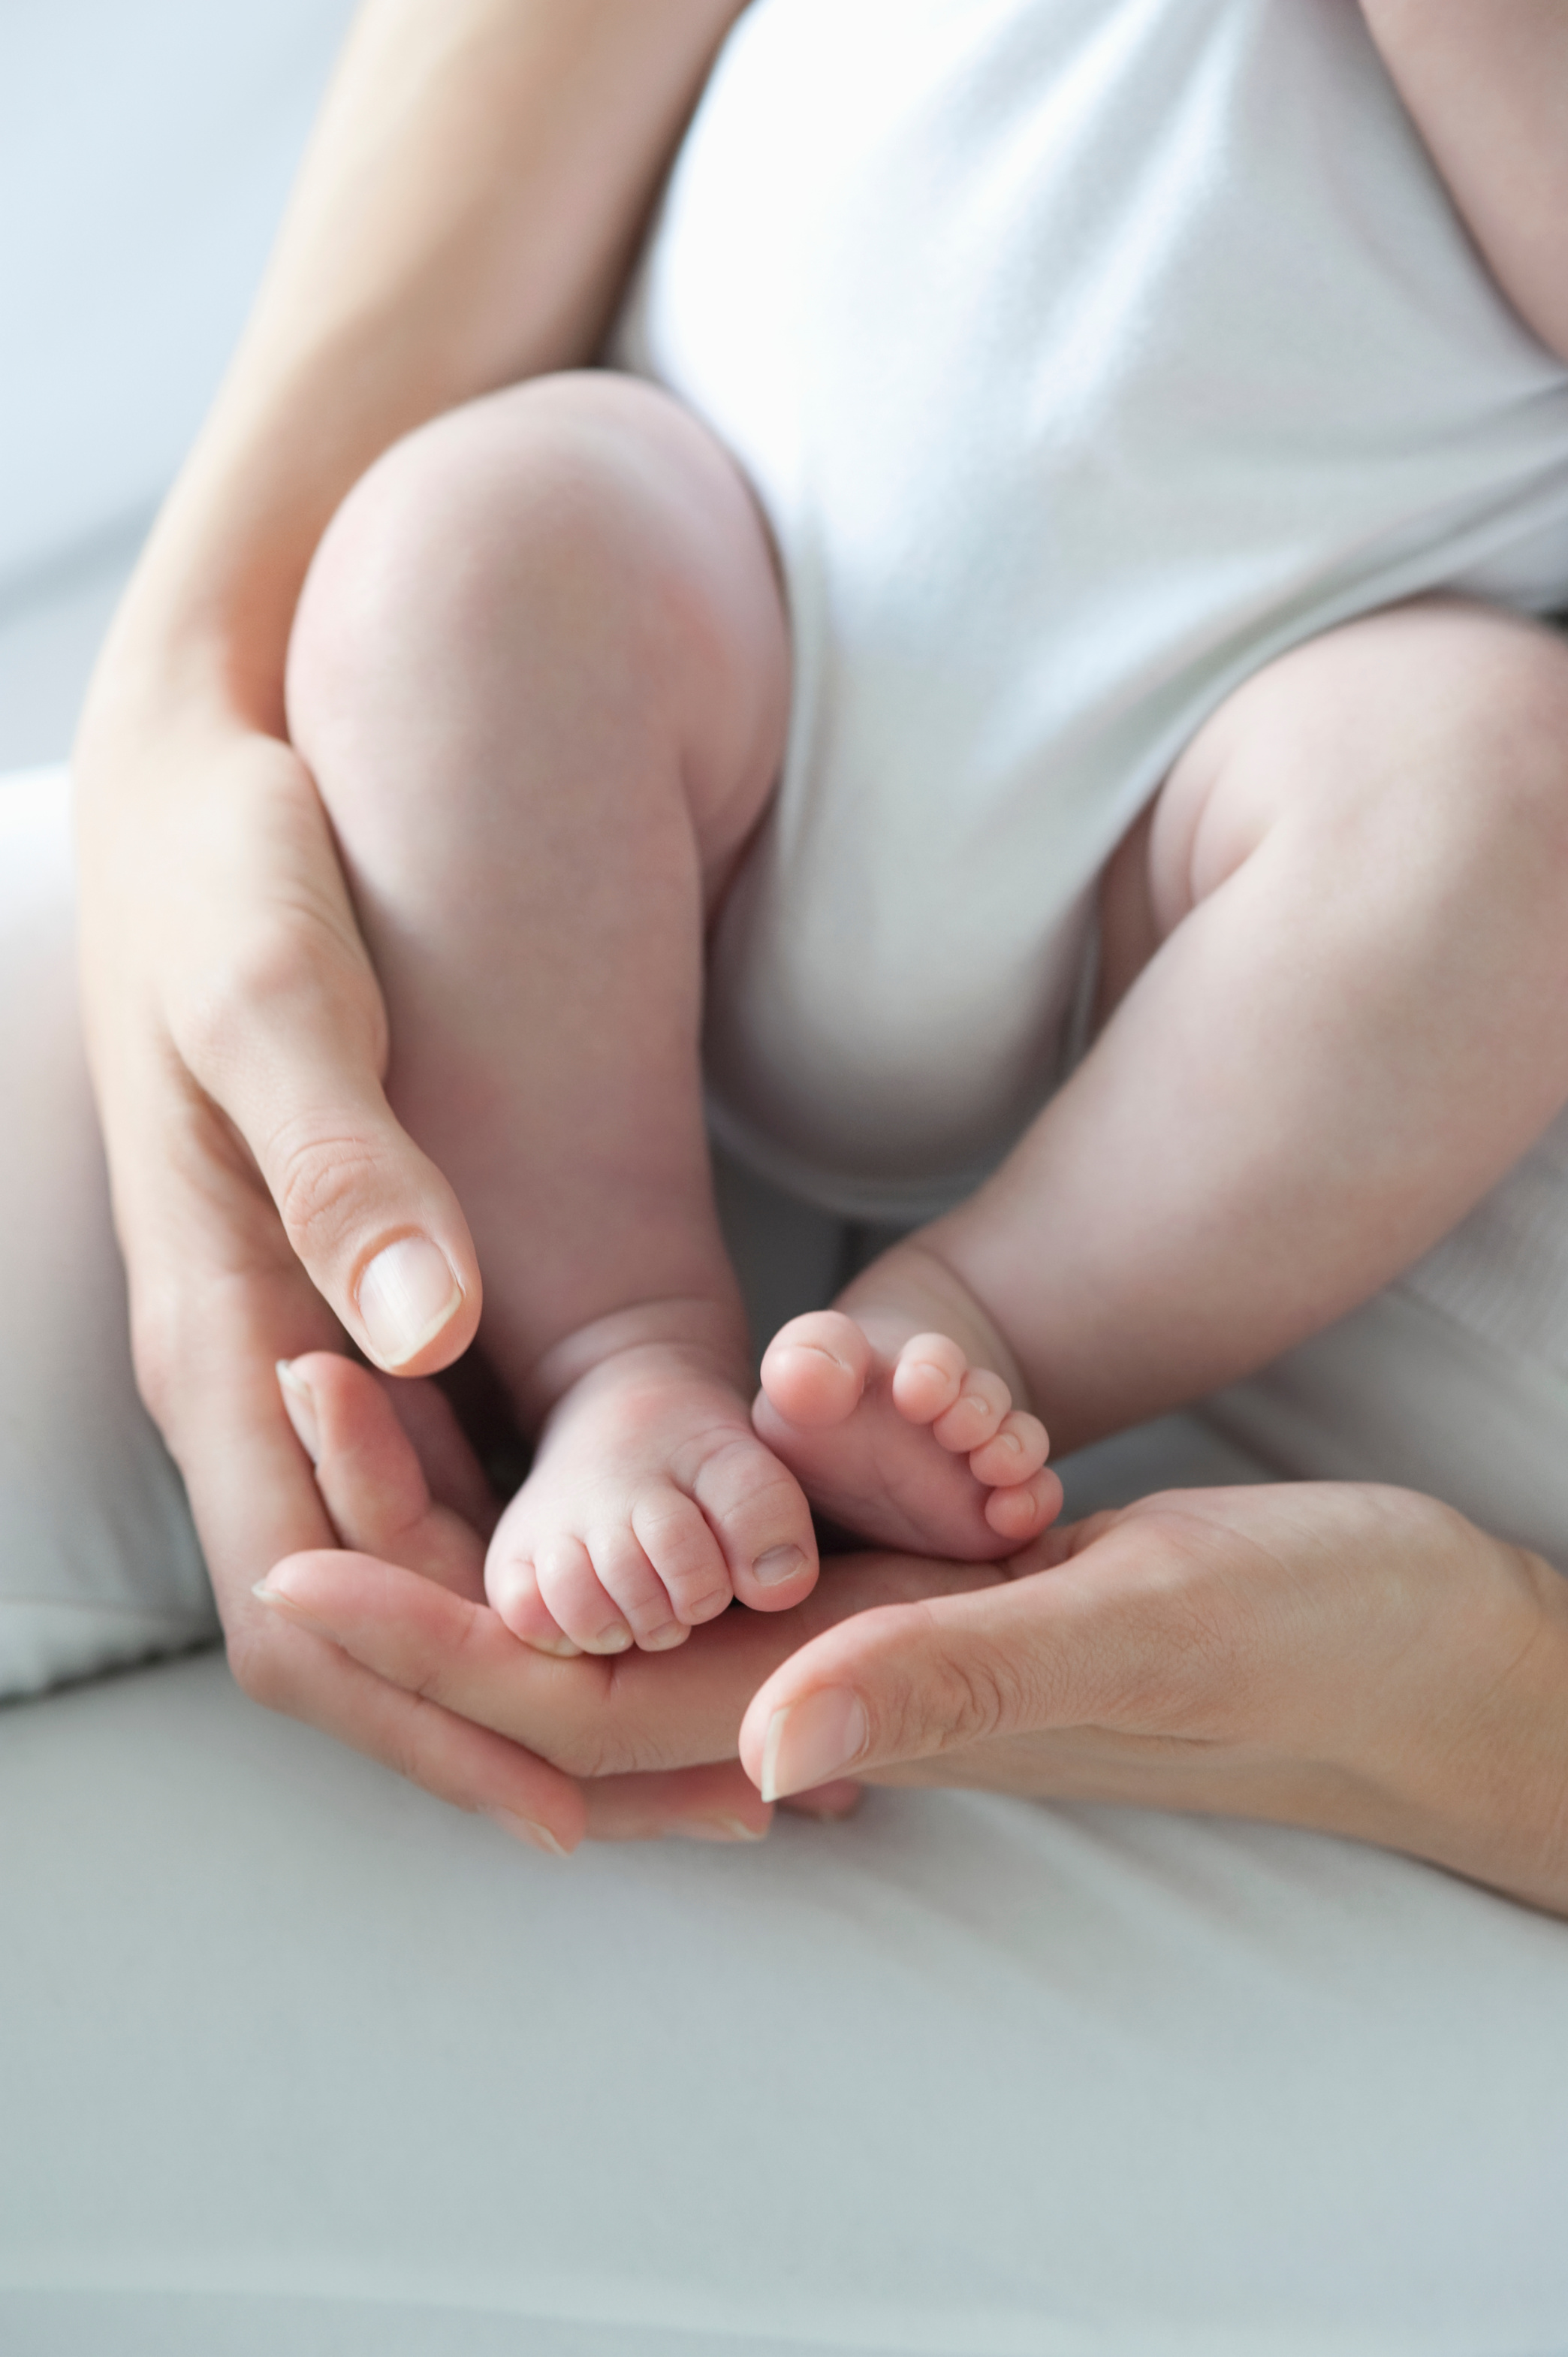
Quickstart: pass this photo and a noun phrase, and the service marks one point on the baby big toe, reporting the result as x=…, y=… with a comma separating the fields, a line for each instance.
x=760, y=1513
x=814, y=1370
x=1017, y=1449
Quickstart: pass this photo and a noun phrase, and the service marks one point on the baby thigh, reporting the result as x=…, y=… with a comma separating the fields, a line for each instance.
x=1335, y=955
x=1382, y=814
x=99, y=1563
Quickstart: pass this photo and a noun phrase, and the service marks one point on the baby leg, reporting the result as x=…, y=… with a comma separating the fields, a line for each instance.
x=539, y=673
x=1335, y=961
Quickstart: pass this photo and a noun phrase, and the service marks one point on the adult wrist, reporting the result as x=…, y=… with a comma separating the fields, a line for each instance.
x=1488, y=1797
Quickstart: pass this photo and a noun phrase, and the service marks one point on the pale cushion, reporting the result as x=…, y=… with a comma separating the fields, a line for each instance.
x=295, y=2059
x=99, y=1563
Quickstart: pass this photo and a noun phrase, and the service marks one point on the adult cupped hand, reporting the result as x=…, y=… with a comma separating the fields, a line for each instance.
x=621, y=1747
x=265, y=1198
x=1358, y=1660
x=1354, y=1659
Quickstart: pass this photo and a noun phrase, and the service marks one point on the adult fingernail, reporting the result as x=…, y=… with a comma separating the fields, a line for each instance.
x=523, y=1829
x=279, y=1600
x=780, y=1563
x=300, y=1406
x=719, y=1829
x=812, y=1741
x=406, y=1296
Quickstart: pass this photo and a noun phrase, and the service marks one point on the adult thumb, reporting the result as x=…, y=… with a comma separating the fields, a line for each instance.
x=379, y=1230
x=909, y=1681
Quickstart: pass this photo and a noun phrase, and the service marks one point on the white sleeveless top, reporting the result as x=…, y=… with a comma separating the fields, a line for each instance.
x=1085, y=354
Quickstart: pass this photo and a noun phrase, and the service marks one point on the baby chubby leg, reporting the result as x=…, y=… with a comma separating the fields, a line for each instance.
x=540, y=674
x=1335, y=958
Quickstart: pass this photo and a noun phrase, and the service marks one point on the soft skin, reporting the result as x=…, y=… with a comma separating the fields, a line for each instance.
x=465, y=219
x=1353, y=1658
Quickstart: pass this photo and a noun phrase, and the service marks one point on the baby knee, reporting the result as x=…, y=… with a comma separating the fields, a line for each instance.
x=444, y=537
x=583, y=509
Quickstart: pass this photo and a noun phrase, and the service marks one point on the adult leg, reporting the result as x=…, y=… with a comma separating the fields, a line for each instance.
x=540, y=674
x=1337, y=961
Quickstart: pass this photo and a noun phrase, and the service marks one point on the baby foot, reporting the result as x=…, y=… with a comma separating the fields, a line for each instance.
x=650, y=1503
x=897, y=1436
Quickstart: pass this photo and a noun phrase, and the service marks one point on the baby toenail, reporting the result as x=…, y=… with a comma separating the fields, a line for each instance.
x=780, y=1563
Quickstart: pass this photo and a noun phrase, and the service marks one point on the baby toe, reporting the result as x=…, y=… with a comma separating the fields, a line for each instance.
x=1017, y=1449
x=516, y=1597
x=814, y=1370
x=758, y=1514
x=929, y=1377
x=674, y=1535
x=975, y=1414
x=1021, y=1512
x=632, y=1585
x=576, y=1597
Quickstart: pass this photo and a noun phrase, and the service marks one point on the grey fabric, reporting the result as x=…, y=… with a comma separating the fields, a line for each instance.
x=289, y=2049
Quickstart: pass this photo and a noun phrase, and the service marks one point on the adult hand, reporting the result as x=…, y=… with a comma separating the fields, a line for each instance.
x=265, y=1196
x=650, y=1737
x=464, y=219
x=1358, y=1660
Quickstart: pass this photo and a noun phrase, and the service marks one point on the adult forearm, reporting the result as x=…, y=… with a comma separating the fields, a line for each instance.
x=465, y=216
x=1486, y=82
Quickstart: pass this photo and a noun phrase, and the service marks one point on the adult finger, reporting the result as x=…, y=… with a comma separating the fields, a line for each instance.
x=218, y=1299
x=592, y=1716
x=278, y=1018
x=1082, y=1641
x=372, y=1473
x=269, y=1500
x=306, y=1677
x=716, y=1803
x=450, y=1463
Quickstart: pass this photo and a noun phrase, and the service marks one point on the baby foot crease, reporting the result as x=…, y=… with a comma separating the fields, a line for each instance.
x=651, y=1505
x=895, y=1435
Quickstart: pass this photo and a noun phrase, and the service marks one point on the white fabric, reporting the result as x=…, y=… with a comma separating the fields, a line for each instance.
x=1453, y=1380
x=296, y=2061
x=1084, y=355
x=99, y=1563
x=294, y=2058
